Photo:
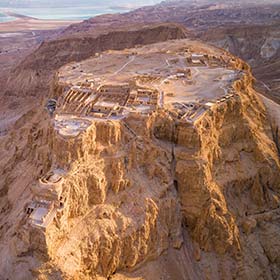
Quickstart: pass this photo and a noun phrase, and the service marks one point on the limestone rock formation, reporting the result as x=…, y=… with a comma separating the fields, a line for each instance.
x=127, y=191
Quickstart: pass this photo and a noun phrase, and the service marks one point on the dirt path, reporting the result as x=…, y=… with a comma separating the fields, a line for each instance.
x=127, y=63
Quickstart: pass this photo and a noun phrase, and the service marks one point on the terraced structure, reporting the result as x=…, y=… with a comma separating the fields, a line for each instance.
x=182, y=77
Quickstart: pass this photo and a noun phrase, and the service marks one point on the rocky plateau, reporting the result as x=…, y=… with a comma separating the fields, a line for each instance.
x=145, y=149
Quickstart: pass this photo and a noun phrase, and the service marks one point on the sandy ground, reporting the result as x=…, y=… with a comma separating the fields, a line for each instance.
x=26, y=24
x=115, y=67
x=209, y=85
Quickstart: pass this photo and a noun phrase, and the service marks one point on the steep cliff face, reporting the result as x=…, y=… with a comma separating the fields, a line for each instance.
x=231, y=170
x=227, y=176
x=134, y=188
x=119, y=209
x=116, y=213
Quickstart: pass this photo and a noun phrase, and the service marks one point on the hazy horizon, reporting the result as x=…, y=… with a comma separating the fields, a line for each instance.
x=68, y=9
x=74, y=3
x=85, y=9
x=110, y=3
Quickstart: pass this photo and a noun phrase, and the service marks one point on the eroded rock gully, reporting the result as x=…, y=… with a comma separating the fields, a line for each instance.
x=131, y=189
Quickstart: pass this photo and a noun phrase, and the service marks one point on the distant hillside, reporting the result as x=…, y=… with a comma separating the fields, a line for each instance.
x=74, y=3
